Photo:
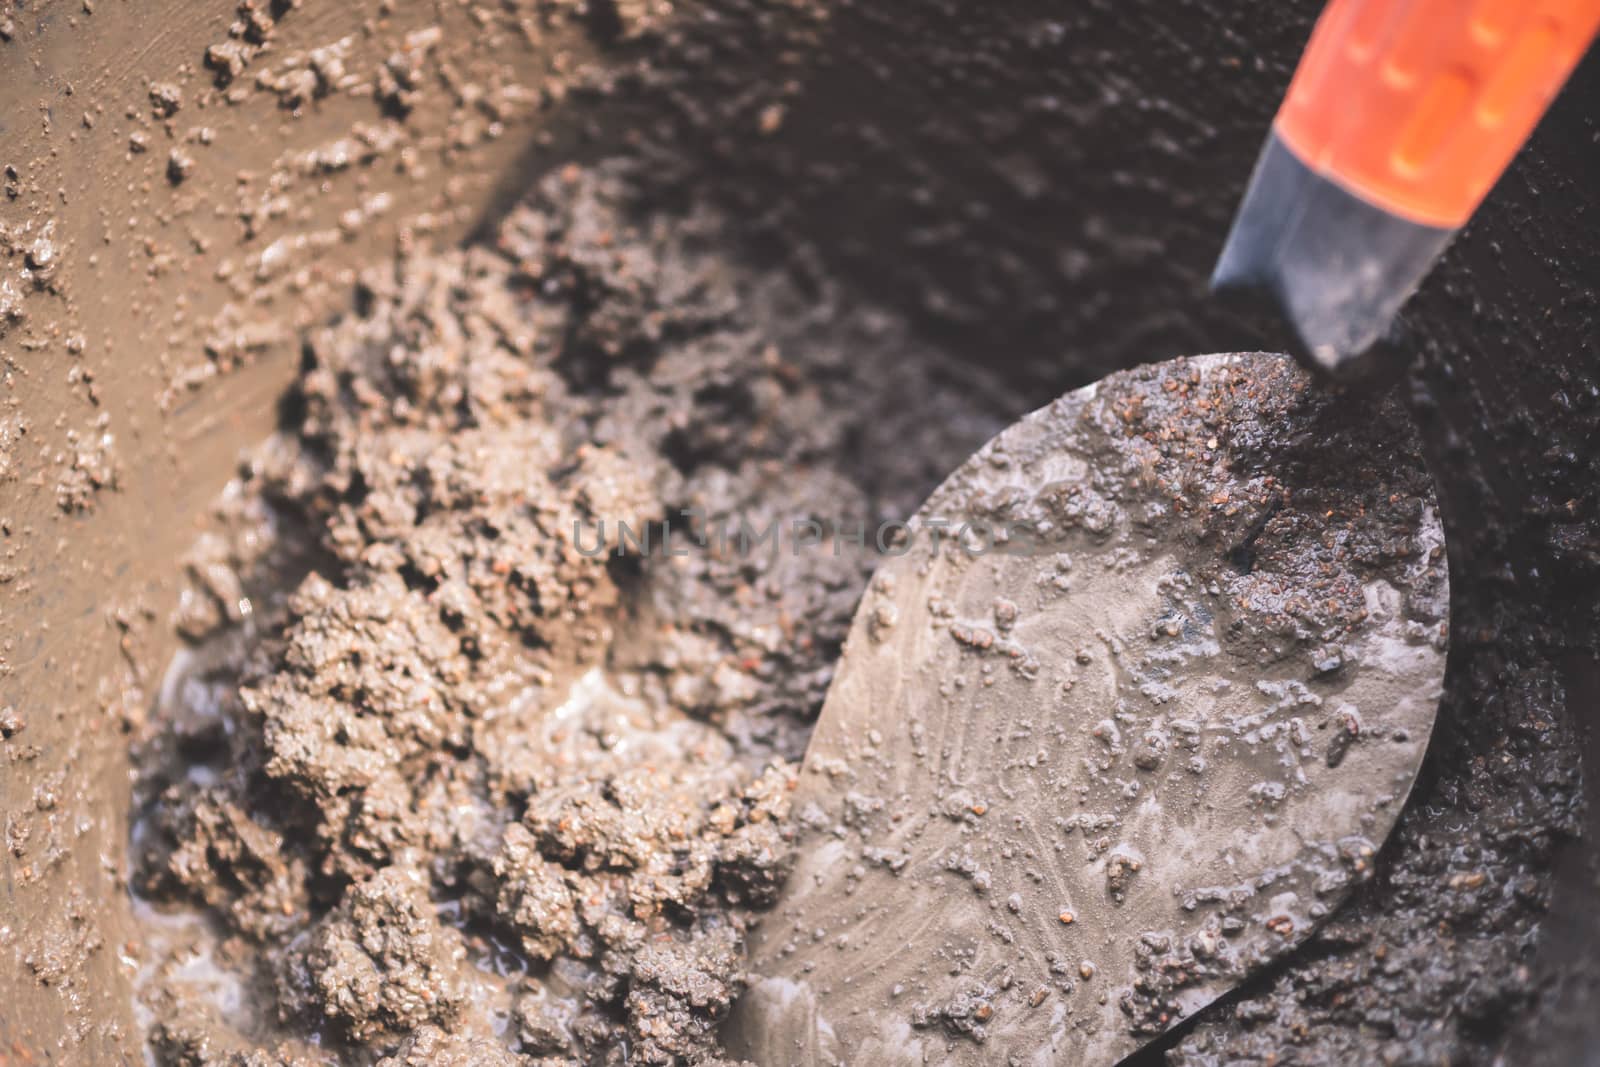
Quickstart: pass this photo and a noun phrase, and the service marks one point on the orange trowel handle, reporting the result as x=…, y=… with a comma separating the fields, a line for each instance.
x=1417, y=106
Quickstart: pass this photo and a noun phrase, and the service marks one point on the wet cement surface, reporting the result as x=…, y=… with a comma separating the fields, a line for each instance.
x=470, y=789
x=1041, y=191
x=473, y=784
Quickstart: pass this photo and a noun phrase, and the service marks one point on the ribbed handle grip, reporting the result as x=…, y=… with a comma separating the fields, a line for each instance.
x=1418, y=105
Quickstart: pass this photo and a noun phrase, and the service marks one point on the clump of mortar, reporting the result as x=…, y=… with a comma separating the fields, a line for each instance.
x=435, y=782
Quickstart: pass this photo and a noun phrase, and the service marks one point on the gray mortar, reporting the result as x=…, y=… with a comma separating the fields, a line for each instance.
x=1041, y=191
x=467, y=782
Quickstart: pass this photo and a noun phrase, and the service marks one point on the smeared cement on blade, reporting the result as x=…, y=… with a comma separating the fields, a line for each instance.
x=1063, y=796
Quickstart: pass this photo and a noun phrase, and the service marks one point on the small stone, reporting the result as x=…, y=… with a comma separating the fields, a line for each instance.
x=179, y=166
x=165, y=99
x=771, y=118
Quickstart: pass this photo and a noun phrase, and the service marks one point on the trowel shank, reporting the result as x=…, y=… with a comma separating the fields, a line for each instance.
x=1401, y=116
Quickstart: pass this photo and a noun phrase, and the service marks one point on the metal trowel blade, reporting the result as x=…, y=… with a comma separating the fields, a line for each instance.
x=1072, y=784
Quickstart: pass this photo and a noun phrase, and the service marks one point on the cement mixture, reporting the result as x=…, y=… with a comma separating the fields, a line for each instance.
x=475, y=790
x=1040, y=189
x=457, y=770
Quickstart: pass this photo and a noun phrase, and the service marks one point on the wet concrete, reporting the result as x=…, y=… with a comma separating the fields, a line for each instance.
x=1040, y=192
x=452, y=758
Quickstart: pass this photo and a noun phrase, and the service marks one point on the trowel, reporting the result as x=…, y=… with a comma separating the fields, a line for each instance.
x=1142, y=688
